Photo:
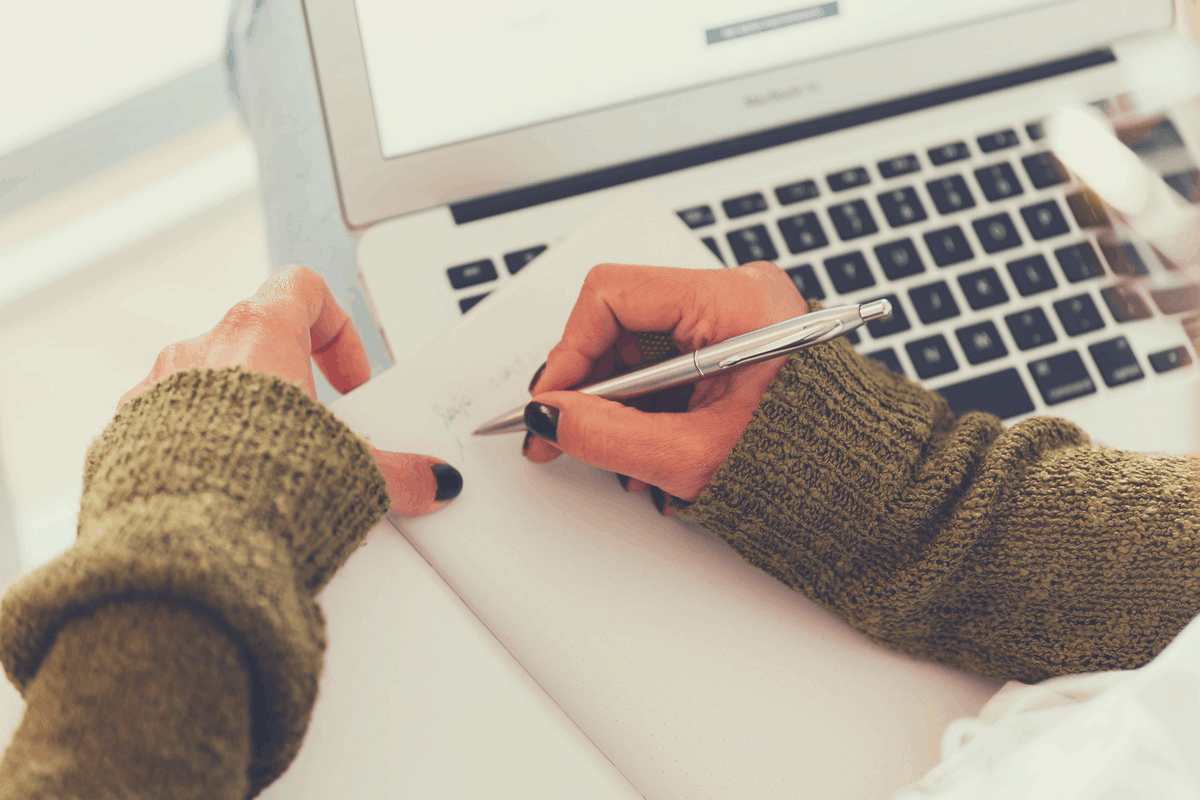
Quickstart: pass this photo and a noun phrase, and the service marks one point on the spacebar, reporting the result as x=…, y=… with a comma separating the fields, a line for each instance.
x=1002, y=393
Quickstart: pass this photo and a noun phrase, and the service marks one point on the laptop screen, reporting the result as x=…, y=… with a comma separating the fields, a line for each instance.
x=449, y=72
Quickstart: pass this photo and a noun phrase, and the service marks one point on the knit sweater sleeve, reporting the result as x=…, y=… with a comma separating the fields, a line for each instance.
x=215, y=506
x=1017, y=553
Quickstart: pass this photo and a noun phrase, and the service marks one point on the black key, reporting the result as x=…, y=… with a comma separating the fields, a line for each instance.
x=983, y=288
x=931, y=357
x=1032, y=275
x=805, y=278
x=852, y=220
x=1043, y=170
x=1184, y=183
x=997, y=233
x=1162, y=139
x=1177, y=299
x=796, y=192
x=1045, y=220
x=1036, y=131
x=998, y=181
x=1061, y=378
x=711, y=244
x=950, y=194
x=1167, y=360
x=1079, y=314
x=981, y=342
x=1088, y=209
x=900, y=165
x=902, y=207
x=933, y=303
x=852, y=337
x=1000, y=140
x=803, y=232
x=1116, y=361
x=1079, y=262
x=1030, y=328
x=949, y=246
x=1002, y=393
x=472, y=274
x=1123, y=258
x=1125, y=303
x=888, y=358
x=849, y=272
x=899, y=259
x=467, y=303
x=752, y=244
x=517, y=261
x=745, y=205
x=848, y=179
x=697, y=217
x=895, y=322
x=955, y=151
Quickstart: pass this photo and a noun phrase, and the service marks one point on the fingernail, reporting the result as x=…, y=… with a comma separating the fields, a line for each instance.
x=537, y=375
x=542, y=420
x=659, y=498
x=449, y=482
x=624, y=480
x=528, y=439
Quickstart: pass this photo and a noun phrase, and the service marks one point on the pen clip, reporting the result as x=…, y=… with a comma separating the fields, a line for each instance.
x=819, y=332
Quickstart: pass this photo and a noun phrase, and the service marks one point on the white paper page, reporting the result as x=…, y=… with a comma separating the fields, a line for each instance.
x=696, y=674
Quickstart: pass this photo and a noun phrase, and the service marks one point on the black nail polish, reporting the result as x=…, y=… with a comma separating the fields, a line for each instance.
x=624, y=481
x=528, y=439
x=449, y=482
x=659, y=498
x=542, y=420
x=537, y=375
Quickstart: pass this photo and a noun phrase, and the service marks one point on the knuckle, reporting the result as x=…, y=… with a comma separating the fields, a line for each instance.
x=244, y=315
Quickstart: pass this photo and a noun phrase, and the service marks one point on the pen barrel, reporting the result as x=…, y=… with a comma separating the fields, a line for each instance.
x=664, y=375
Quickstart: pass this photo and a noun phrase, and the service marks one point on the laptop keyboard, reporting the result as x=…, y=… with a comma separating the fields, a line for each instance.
x=1001, y=301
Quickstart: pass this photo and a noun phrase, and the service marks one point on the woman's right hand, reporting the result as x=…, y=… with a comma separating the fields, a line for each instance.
x=677, y=452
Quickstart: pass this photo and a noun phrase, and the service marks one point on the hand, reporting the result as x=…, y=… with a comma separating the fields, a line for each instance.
x=678, y=452
x=291, y=321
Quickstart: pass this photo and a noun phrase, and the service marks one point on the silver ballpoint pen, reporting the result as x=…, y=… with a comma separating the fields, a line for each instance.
x=773, y=341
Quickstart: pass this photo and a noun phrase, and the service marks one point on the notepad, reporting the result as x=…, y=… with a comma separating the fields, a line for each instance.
x=693, y=673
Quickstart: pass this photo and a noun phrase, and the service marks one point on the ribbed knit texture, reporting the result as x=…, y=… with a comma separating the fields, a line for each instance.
x=227, y=492
x=1017, y=554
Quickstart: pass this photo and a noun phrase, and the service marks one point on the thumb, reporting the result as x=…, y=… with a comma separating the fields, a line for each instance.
x=417, y=484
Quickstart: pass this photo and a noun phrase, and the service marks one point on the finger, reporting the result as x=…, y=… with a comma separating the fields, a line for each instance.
x=417, y=484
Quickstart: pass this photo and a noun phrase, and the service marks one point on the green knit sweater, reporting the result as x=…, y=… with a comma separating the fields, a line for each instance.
x=175, y=650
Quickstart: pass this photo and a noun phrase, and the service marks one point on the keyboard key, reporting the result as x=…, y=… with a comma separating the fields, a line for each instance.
x=849, y=273
x=997, y=233
x=711, y=244
x=1036, y=131
x=1061, y=378
x=1184, y=183
x=796, y=192
x=931, y=357
x=852, y=220
x=950, y=194
x=853, y=338
x=745, y=205
x=983, y=288
x=467, y=303
x=899, y=259
x=949, y=246
x=697, y=217
x=1162, y=139
x=752, y=244
x=1032, y=275
x=1002, y=393
x=933, y=302
x=955, y=151
x=902, y=207
x=1030, y=328
x=999, y=140
x=1116, y=361
x=1178, y=299
x=998, y=182
x=888, y=358
x=472, y=274
x=981, y=342
x=893, y=323
x=1088, y=209
x=1044, y=170
x=1079, y=262
x=805, y=278
x=1125, y=303
x=517, y=261
x=1167, y=360
x=803, y=232
x=848, y=179
x=1045, y=220
x=1079, y=314
x=1122, y=258
x=900, y=165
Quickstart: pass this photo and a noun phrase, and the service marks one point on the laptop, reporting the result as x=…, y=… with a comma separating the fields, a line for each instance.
x=871, y=148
